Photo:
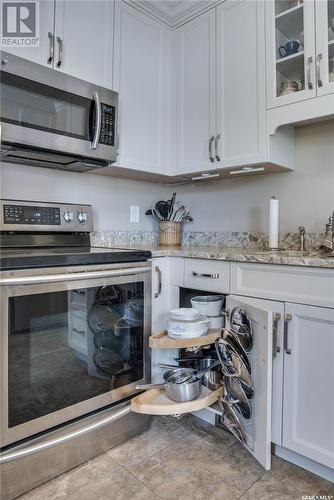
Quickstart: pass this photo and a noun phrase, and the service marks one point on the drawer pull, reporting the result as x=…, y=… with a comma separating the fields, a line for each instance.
x=214, y=276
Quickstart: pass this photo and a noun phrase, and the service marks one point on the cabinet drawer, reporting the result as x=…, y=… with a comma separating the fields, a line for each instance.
x=286, y=283
x=210, y=275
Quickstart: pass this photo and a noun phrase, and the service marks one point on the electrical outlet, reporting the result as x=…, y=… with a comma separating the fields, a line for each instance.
x=134, y=214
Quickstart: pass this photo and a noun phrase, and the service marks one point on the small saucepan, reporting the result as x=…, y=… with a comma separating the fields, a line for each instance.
x=181, y=384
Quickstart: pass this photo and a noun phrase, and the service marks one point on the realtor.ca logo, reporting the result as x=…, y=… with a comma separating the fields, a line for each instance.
x=19, y=24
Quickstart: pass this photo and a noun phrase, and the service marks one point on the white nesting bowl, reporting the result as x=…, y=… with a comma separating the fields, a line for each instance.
x=209, y=305
x=183, y=329
x=216, y=322
x=185, y=313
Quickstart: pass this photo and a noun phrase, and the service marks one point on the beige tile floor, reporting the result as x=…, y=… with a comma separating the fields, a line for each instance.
x=183, y=459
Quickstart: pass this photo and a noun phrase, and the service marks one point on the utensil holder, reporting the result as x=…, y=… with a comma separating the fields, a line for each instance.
x=170, y=233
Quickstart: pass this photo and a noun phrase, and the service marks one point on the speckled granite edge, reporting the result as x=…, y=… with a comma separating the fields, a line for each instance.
x=247, y=240
x=238, y=247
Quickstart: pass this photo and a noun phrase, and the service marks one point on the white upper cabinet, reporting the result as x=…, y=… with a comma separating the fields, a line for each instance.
x=140, y=76
x=324, y=13
x=43, y=54
x=300, y=61
x=290, y=51
x=84, y=39
x=195, y=94
x=240, y=136
x=308, y=403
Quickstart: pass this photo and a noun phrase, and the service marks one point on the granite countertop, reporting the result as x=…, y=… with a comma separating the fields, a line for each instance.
x=288, y=257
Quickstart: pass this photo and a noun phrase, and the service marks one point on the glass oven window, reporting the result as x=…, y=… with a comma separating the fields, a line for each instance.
x=69, y=346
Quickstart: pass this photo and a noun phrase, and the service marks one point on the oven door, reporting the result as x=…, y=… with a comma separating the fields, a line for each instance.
x=53, y=112
x=71, y=342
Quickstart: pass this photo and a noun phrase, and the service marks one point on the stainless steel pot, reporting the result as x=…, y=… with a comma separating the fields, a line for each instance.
x=212, y=379
x=178, y=392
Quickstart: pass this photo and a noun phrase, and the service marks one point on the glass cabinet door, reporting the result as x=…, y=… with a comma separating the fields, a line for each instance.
x=325, y=46
x=291, y=54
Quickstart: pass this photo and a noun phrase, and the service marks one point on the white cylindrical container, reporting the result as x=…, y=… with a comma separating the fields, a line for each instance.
x=273, y=223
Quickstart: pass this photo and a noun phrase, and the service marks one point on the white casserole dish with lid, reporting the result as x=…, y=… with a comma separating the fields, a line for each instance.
x=186, y=329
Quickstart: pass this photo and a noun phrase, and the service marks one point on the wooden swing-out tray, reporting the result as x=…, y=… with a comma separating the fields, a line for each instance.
x=162, y=341
x=155, y=402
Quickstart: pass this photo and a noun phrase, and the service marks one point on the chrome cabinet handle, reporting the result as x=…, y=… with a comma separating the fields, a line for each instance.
x=319, y=58
x=60, y=58
x=205, y=275
x=157, y=270
x=276, y=347
x=52, y=47
x=216, y=147
x=212, y=138
x=309, y=81
x=31, y=450
x=288, y=317
x=96, y=99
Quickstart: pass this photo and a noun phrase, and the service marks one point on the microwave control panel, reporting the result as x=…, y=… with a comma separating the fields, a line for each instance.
x=107, y=125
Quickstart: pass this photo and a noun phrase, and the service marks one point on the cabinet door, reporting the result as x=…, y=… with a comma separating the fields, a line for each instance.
x=141, y=49
x=241, y=104
x=290, y=51
x=43, y=53
x=308, y=408
x=195, y=94
x=258, y=428
x=325, y=46
x=84, y=38
x=165, y=297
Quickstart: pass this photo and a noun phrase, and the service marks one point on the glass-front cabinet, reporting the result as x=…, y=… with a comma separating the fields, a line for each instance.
x=324, y=11
x=300, y=50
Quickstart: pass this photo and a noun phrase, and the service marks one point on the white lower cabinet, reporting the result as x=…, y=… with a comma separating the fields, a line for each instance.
x=308, y=402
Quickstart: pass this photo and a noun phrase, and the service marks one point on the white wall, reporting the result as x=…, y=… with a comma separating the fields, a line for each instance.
x=306, y=195
x=109, y=196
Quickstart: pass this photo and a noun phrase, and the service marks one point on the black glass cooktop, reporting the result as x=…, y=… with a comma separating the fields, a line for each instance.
x=24, y=258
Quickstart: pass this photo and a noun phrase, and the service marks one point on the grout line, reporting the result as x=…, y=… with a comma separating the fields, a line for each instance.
x=249, y=487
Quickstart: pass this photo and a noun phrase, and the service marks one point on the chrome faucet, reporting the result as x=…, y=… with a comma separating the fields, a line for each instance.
x=302, y=232
x=328, y=242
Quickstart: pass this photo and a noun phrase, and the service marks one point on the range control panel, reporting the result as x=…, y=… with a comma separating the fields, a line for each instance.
x=37, y=216
x=107, y=125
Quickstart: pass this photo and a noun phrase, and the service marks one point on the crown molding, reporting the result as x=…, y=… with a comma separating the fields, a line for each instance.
x=173, y=13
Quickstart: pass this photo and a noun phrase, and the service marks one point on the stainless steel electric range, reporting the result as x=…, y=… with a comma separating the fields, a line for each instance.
x=75, y=322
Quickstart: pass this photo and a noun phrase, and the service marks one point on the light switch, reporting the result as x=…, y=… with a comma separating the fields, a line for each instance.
x=134, y=214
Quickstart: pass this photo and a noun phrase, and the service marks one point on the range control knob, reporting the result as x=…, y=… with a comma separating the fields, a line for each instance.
x=82, y=217
x=68, y=216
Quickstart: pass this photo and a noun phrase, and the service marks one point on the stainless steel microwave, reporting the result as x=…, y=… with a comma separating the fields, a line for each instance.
x=54, y=120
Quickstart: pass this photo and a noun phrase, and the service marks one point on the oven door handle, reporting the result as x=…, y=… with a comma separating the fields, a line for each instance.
x=53, y=278
x=30, y=450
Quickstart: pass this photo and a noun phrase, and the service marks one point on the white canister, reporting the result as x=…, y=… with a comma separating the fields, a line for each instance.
x=216, y=322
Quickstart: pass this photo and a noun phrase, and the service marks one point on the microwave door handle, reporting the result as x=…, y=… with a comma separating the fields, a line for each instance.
x=98, y=120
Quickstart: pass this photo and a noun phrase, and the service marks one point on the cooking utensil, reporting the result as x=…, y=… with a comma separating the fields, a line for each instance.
x=233, y=365
x=175, y=391
x=212, y=379
x=237, y=396
x=108, y=361
x=196, y=375
x=171, y=206
x=241, y=325
x=233, y=341
x=231, y=420
x=163, y=209
x=180, y=328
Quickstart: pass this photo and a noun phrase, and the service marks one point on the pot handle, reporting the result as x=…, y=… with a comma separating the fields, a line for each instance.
x=150, y=386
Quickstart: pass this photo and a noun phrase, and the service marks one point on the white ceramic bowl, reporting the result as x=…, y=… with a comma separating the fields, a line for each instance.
x=209, y=305
x=185, y=313
x=183, y=329
x=216, y=322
